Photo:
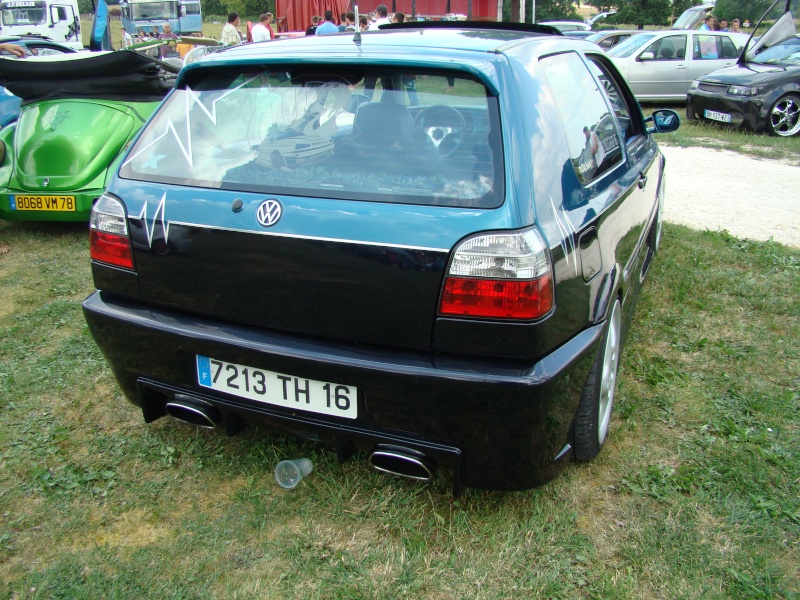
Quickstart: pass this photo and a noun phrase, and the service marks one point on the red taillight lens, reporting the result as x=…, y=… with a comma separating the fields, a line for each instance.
x=501, y=299
x=500, y=275
x=108, y=239
x=111, y=248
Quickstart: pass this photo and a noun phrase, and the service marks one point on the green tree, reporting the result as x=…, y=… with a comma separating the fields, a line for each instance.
x=749, y=9
x=551, y=10
x=643, y=12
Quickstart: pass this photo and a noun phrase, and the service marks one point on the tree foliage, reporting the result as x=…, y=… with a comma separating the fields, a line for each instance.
x=546, y=10
x=643, y=12
x=750, y=10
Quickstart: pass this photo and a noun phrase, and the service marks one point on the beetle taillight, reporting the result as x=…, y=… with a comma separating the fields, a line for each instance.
x=108, y=233
x=501, y=276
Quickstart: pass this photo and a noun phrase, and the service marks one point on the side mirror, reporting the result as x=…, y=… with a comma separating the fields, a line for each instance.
x=664, y=120
x=647, y=56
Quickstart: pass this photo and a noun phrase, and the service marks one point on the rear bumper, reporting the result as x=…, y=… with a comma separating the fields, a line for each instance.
x=496, y=425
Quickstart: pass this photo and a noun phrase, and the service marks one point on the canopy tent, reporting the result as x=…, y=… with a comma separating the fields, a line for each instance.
x=295, y=15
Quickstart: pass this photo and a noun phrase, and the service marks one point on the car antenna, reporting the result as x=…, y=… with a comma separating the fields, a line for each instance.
x=357, y=36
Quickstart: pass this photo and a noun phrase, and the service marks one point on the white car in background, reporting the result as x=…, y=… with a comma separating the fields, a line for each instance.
x=660, y=66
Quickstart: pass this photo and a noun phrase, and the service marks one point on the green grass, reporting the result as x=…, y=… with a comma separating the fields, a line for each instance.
x=694, y=496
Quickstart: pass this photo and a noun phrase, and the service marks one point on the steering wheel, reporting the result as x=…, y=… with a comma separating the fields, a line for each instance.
x=443, y=125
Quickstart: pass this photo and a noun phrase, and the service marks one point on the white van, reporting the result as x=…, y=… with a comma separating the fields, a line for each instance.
x=58, y=20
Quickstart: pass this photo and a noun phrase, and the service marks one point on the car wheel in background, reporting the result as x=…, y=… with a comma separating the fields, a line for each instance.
x=784, y=116
x=594, y=411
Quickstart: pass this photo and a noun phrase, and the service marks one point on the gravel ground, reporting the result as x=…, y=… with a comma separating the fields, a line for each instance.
x=751, y=198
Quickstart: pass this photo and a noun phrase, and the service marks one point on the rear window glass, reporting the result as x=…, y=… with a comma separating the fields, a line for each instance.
x=382, y=135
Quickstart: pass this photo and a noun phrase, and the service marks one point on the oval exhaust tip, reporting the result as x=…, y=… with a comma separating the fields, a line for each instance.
x=208, y=418
x=403, y=462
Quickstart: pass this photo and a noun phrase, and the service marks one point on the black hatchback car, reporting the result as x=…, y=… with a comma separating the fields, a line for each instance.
x=761, y=92
x=424, y=243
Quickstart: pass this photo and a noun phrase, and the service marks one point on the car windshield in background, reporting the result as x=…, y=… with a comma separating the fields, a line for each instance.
x=383, y=136
x=786, y=53
x=631, y=45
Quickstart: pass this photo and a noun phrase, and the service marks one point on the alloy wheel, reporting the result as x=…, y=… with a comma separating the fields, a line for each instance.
x=784, y=118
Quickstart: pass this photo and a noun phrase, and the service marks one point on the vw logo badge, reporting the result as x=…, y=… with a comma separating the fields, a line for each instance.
x=269, y=213
x=46, y=182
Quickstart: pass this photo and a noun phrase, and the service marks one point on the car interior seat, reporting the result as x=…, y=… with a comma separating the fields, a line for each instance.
x=666, y=52
x=386, y=137
x=680, y=54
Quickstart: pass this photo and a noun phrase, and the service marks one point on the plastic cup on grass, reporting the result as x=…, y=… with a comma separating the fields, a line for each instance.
x=289, y=473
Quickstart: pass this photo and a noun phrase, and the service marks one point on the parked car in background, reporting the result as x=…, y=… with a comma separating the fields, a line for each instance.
x=660, y=66
x=579, y=33
x=34, y=45
x=427, y=248
x=761, y=92
x=79, y=112
x=564, y=26
x=611, y=37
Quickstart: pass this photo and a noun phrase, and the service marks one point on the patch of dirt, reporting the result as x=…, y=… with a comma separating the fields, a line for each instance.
x=751, y=198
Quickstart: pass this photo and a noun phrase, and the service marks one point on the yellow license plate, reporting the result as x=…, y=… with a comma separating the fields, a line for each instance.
x=54, y=203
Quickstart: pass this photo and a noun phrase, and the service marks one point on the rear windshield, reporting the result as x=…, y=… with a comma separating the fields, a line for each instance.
x=382, y=135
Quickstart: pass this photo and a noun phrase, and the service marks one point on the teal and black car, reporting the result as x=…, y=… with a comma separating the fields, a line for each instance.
x=78, y=113
x=422, y=244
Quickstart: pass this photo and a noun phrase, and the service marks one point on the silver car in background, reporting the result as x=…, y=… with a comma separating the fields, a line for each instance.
x=660, y=66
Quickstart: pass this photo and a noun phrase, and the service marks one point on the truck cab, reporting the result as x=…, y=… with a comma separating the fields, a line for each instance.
x=58, y=20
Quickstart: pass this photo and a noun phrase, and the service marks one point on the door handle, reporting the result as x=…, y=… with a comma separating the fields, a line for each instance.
x=642, y=181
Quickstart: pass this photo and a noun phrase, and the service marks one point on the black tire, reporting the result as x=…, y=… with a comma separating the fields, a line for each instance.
x=597, y=400
x=784, y=116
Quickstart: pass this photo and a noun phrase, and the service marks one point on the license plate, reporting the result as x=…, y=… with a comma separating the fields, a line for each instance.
x=278, y=389
x=717, y=116
x=53, y=203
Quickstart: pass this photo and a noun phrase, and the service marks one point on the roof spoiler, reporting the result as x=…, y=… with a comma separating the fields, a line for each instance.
x=493, y=25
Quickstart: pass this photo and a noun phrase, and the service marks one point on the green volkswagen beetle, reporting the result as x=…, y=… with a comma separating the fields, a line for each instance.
x=79, y=112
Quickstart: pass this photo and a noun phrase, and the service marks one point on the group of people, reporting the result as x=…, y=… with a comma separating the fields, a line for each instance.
x=347, y=21
x=711, y=24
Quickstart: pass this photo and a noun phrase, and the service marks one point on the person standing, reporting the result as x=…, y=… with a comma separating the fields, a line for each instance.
x=708, y=25
x=383, y=17
x=127, y=40
x=723, y=25
x=261, y=29
x=735, y=26
x=168, y=49
x=350, y=21
x=313, y=28
x=328, y=26
x=230, y=35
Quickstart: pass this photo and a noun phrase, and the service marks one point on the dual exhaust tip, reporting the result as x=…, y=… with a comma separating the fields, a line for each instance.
x=386, y=458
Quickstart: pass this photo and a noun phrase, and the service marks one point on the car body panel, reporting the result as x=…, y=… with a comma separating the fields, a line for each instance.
x=345, y=286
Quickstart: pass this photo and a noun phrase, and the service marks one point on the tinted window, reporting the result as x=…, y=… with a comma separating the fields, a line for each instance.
x=590, y=128
x=672, y=47
x=387, y=136
x=711, y=47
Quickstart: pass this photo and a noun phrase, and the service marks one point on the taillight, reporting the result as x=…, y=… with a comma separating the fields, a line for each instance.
x=500, y=275
x=108, y=233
